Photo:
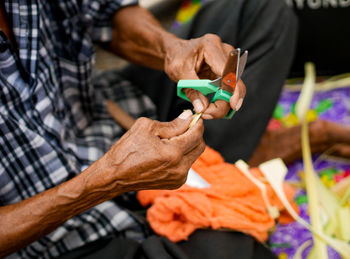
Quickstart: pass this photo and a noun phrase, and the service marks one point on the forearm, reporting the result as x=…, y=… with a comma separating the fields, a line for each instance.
x=31, y=219
x=286, y=142
x=139, y=38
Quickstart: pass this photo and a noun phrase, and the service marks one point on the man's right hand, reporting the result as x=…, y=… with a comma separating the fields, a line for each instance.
x=154, y=155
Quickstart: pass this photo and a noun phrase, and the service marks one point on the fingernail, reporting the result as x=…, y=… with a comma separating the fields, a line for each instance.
x=198, y=106
x=207, y=117
x=234, y=99
x=185, y=114
x=239, y=104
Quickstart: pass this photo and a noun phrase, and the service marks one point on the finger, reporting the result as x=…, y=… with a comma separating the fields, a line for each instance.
x=176, y=127
x=190, y=139
x=227, y=48
x=189, y=158
x=198, y=100
x=317, y=148
x=214, y=53
x=342, y=150
x=184, y=164
x=238, y=95
x=338, y=132
x=189, y=74
x=195, y=152
x=216, y=110
x=206, y=73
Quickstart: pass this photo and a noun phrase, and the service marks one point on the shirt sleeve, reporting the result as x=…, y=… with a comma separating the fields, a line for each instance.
x=99, y=13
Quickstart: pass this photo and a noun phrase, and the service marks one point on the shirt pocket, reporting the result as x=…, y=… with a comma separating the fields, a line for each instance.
x=15, y=82
x=73, y=40
x=77, y=91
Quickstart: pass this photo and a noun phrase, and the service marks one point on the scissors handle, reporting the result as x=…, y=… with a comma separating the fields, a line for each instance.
x=205, y=87
x=224, y=95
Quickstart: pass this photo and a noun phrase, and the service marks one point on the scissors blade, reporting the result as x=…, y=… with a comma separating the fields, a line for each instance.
x=241, y=64
x=229, y=79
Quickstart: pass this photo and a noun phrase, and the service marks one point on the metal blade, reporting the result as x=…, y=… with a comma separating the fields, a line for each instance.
x=233, y=71
x=229, y=79
x=216, y=82
x=232, y=61
x=241, y=64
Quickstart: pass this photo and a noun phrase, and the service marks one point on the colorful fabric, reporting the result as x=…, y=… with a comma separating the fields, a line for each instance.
x=187, y=11
x=231, y=202
x=53, y=121
x=330, y=105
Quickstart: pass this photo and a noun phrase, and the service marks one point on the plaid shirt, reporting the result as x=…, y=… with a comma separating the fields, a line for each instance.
x=53, y=123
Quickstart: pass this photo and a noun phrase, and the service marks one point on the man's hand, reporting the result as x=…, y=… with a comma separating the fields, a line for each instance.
x=325, y=136
x=139, y=38
x=151, y=155
x=155, y=155
x=204, y=58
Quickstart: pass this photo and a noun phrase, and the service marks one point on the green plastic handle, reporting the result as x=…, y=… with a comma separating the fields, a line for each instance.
x=205, y=87
x=224, y=95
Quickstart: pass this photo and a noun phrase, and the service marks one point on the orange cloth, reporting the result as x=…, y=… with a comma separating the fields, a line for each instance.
x=231, y=202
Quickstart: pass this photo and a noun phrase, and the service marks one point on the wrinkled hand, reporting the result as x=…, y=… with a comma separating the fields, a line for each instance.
x=203, y=58
x=155, y=155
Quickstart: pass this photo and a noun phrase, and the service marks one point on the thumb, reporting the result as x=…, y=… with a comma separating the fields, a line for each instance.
x=175, y=127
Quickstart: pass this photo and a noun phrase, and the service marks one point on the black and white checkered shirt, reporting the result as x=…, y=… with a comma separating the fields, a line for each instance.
x=53, y=122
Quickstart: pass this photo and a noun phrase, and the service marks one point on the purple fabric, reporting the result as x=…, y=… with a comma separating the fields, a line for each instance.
x=293, y=234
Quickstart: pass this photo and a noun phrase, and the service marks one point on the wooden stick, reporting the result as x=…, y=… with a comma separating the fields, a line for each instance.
x=119, y=115
x=196, y=117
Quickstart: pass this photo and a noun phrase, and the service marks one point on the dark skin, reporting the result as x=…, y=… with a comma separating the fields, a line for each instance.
x=286, y=142
x=203, y=57
x=151, y=155
x=171, y=150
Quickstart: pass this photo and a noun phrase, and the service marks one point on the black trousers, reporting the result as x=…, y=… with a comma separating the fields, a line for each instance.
x=267, y=28
x=203, y=244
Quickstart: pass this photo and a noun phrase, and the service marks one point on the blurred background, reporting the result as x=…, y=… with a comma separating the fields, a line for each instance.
x=323, y=38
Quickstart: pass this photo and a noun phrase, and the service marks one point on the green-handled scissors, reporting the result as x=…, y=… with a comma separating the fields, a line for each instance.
x=224, y=86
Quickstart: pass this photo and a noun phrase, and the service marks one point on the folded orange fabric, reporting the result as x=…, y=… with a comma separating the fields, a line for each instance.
x=231, y=202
